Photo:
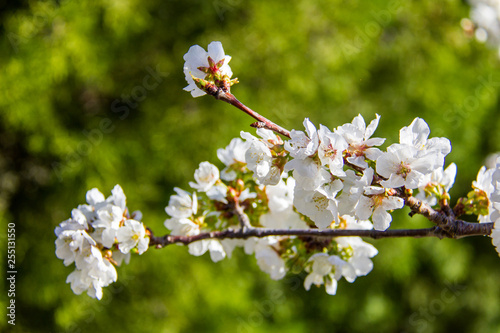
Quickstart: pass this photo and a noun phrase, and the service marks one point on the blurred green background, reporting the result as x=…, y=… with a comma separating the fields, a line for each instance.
x=76, y=113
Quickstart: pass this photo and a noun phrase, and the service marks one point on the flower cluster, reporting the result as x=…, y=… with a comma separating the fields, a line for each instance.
x=271, y=195
x=212, y=206
x=99, y=235
x=339, y=175
x=341, y=179
x=342, y=172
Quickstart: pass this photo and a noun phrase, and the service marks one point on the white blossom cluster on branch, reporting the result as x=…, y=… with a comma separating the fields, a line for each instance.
x=286, y=197
x=99, y=235
x=323, y=193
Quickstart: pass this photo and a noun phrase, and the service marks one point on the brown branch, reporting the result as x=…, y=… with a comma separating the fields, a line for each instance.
x=260, y=124
x=447, y=226
x=229, y=98
x=242, y=217
x=419, y=207
x=443, y=219
x=459, y=230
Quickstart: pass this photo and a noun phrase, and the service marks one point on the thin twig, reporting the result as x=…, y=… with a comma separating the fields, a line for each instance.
x=229, y=98
x=440, y=218
x=242, y=217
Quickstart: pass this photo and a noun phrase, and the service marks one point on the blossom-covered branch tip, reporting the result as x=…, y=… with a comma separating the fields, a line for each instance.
x=207, y=71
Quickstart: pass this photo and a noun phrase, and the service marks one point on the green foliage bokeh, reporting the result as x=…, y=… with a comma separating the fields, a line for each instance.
x=78, y=110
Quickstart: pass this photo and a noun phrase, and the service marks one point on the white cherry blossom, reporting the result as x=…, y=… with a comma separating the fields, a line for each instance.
x=484, y=183
x=359, y=263
x=286, y=219
x=78, y=221
x=308, y=173
x=303, y=144
x=107, y=224
x=231, y=156
x=197, y=57
x=359, y=140
x=120, y=257
x=132, y=235
x=218, y=192
x=351, y=223
x=100, y=273
x=72, y=243
x=89, y=255
x=489, y=180
x=403, y=166
x=206, y=176
x=81, y=281
x=325, y=269
x=495, y=236
x=417, y=135
x=268, y=260
x=330, y=150
x=94, y=197
x=354, y=187
x=118, y=197
x=214, y=246
x=260, y=162
x=280, y=196
x=182, y=227
x=319, y=205
x=439, y=180
x=182, y=204
x=375, y=203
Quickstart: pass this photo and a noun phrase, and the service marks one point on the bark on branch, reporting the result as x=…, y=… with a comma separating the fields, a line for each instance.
x=446, y=227
x=263, y=122
x=460, y=229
